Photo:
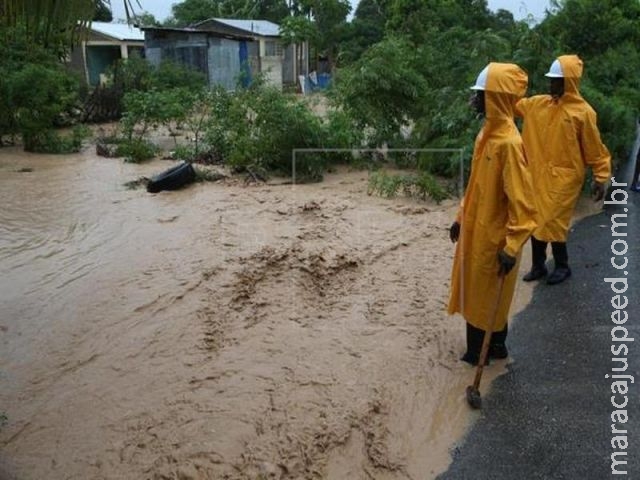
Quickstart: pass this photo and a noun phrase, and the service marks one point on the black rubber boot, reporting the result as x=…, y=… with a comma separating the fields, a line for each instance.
x=497, y=347
x=561, y=270
x=538, y=257
x=475, y=336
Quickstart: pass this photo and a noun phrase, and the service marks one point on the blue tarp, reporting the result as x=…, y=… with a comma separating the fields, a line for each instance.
x=324, y=80
x=313, y=82
x=245, y=69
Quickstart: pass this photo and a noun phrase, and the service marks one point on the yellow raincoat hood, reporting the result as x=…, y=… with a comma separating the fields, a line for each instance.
x=506, y=84
x=497, y=211
x=506, y=78
x=572, y=68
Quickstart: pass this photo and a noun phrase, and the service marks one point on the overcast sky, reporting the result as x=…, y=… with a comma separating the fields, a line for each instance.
x=161, y=9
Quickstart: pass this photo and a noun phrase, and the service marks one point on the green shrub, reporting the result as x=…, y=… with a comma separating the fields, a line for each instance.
x=384, y=184
x=23, y=89
x=382, y=91
x=137, y=150
x=38, y=95
x=260, y=127
x=341, y=131
x=184, y=152
x=214, y=110
x=136, y=73
x=283, y=125
x=428, y=186
x=423, y=185
x=51, y=141
x=170, y=75
x=129, y=74
x=204, y=107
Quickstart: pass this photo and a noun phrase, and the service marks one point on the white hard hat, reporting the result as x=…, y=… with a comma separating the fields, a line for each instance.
x=481, y=81
x=555, y=71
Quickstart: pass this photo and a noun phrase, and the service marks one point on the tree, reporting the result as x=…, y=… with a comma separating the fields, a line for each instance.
x=416, y=18
x=329, y=18
x=605, y=34
x=146, y=19
x=366, y=29
x=52, y=22
x=102, y=12
x=192, y=11
x=297, y=30
x=383, y=90
x=593, y=26
x=35, y=89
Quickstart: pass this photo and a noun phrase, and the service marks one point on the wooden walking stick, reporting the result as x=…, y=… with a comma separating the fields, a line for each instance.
x=473, y=393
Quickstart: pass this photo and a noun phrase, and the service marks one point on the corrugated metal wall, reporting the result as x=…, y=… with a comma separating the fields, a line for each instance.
x=184, y=48
x=218, y=58
x=224, y=62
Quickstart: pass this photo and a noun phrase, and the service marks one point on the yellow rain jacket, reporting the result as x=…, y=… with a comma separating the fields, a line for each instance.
x=561, y=139
x=497, y=211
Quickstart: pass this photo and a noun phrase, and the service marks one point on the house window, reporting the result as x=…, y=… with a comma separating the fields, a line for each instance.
x=273, y=48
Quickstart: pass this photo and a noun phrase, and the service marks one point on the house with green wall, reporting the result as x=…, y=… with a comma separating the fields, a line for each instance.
x=104, y=45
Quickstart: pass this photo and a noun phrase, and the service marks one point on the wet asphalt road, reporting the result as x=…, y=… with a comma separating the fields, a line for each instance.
x=549, y=417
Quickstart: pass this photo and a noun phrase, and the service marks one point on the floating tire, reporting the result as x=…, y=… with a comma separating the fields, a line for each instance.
x=172, y=179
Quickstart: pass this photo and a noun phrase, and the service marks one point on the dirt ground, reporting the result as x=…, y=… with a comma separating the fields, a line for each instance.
x=243, y=332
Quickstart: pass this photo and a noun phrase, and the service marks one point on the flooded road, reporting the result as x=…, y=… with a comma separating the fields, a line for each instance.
x=222, y=331
x=73, y=240
x=80, y=258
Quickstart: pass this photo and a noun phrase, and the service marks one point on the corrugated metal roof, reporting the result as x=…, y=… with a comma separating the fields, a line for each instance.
x=257, y=27
x=234, y=36
x=119, y=31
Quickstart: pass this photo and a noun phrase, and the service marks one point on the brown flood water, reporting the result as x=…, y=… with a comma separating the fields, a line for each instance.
x=223, y=331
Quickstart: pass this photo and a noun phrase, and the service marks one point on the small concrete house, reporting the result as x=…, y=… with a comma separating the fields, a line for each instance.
x=105, y=44
x=225, y=50
x=274, y=60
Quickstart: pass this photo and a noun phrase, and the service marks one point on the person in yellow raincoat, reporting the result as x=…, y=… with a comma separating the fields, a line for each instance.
x=496, y=215
x=561, y=140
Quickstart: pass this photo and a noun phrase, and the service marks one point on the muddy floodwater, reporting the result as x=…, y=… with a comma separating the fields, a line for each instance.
x=225, y=331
